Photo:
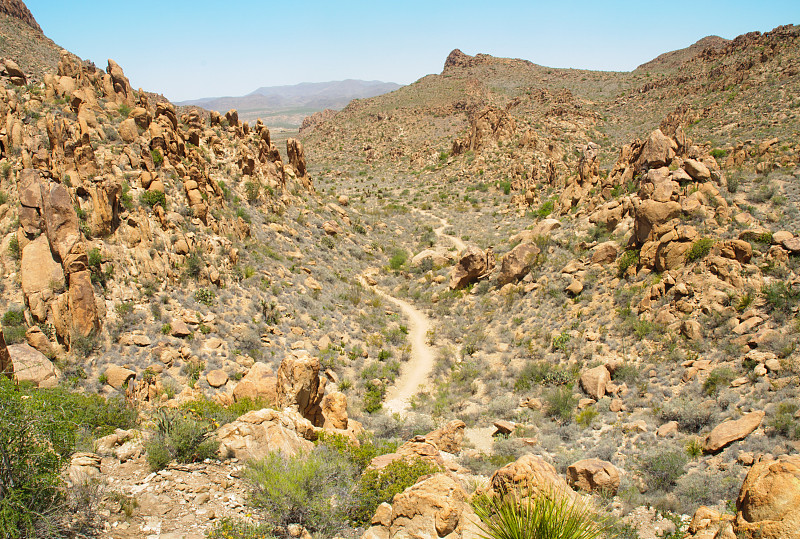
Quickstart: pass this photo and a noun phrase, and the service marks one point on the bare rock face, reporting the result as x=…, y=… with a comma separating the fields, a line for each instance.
x=530, y=473
x=260, y=432
x=728, y=432
x=517, y=263
x=710, y=524
x=594, y=475
x=649, y=214
x=657, y=151
x=14, y=73
x=18, y=9
x=434, y=507
x=300, y=387
x=121, y=85
x=334, y=410
x=258, y=383
x=30, y=365
x=605, y=253
x=594, y=381
x=768, y=506
x=42, y=277
x=473, y=264
x=297, y=159
x=449, y=437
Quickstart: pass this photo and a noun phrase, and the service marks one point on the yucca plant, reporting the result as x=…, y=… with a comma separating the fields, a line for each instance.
x=544, y=515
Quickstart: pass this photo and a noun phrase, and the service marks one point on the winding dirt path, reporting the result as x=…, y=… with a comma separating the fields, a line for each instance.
x=460, y=245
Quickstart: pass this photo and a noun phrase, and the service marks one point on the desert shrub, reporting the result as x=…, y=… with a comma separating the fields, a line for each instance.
x=251, y=190
x=784, y=421
x=718, y=379
x=205, y=296
x=544, y=373
x=13, y=248
x=398, y=259
x=560, y=403
x=153, y=198
x=629, y=258
x=546, y=208
x=378, y=486
x=230, y=528
x=586, y=416
x=313, y=489
x=701, y=488
x=550, y=515
x=733, y=184
x=662, y=467
x=690, y=415
x=14, y=326
x=212, y=411
x=780, y=297
x=158, y=159
x=373, y=395
x=181, y=437
x=699, y=249
x=718, y=153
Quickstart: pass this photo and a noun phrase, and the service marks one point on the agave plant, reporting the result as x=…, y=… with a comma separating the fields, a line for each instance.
x=544, y=515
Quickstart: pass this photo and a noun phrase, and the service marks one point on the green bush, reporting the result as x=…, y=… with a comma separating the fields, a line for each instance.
x=689, y=414
x=158, y=159
x=780, y=297
x=662, y=467
x=784, y=422
x=14, y=326
x=549, y=515
x=205, y=296
x=378, y=486
x=699, y=249
x=544, y=373
x=718, y=379
x=546, y=208
x=153, y=198
x=718, y=153
x=181, y=437
x=13, y=248
x=251, y=190
x=313, y=489
x=229, y=528
x=206, y=409
x=560, y=403
x=398, y=259
x=373, y=395
x=628, y=259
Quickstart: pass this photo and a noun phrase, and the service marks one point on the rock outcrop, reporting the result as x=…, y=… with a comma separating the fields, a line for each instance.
x=768, y=506
x=594, y=475
x=472, y=265
x=30, y=365
x=529, y=474
x=517, y=262
x=300, y=388
x=260, y=432
x=18, y=10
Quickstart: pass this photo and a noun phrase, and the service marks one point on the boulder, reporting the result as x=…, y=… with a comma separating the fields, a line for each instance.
x=517, y=262
x=594, y=475
x=258, y=383
x=334, y=410
x=437, y=506
x=37, y=339
x=728, y=432
x=529, y=474
x=768, y=506
x=605, y=253
x=297, y=157
x=42, y=277
x=656, y=152
x=449, y=437
x=178, y=328
x=128, y=131
x=260, y=432
x=471, y=266
x=84, y=467
x=739, y=250
x=217, y=378
x=650, y=214
x=697, y=170
x=710, y=524
x=575, y=287
x=595, y=380
x=118, y=377
x=300, y=387
x=30, y=365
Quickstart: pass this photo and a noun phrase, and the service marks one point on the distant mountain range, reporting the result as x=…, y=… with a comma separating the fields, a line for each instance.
x=286, y=106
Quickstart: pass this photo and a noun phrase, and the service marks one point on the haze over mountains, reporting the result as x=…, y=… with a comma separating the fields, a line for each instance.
x=286, y=106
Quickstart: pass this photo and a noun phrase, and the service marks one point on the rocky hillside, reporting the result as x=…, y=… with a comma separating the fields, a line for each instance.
x=594, y=275
x=18, y=10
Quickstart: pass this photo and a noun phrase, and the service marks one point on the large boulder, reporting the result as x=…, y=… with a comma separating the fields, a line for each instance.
x=449, y=437
x=594, y=381
x=30, y=365
x=118, y=377
x=334, y=410
x=260, y=432
x=258, y=384
x=728, y=432
x=42, y=277
x=605, y=253
x=529, y=474
x=300, y=387
x=768, y=506
x=435, y=507
x=471, y=266
x=517, y=262
x=594, y=475
x=657, y=151
x=650, y=214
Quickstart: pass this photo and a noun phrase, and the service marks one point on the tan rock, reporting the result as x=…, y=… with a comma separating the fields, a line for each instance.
x=692, y=330
x=118, y=377
x=42, y=277
x=667, y=429
x=38, y=340
x=697, y=170
x=471, y=266
x=334, y=410
x=301, y=388
x=258, y=383
x=449, y=437
x=575, y=287
x=650, y=214
x=594, y=381
x=30, y=365
x=605, y=253
x=128, y=131
x=530, y=473
x=728, y=432
x=217, y=378
x=178, y=328
x=260, y=432
x=768, y=506
x=656, y=152
x=594, y=475
x=738, y=250
x=517, y=262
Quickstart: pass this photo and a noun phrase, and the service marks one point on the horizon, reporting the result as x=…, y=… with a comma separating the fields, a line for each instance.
x=195, y=51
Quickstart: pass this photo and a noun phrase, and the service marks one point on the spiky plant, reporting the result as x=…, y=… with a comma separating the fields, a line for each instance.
x=544, y=515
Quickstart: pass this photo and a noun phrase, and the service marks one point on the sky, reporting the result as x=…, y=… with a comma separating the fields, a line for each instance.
x=193, y=49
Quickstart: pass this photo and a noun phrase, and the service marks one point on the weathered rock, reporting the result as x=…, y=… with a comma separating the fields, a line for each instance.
x=178, y=328
x=334, y=410
x=260, y=432
x=84, y=467
x=594, y=381
x=605, y=253
x=594, y=475
x=656, y=152
x=42, y=277
x=217, y=378
x=739, y=250
x=710, y=524
x=472, y=265
x=258, y=384
x=435, y=507
x=692, y=330
x=118, y=377
x=36, y=338
x=517, y=262
x=529, y=474
x=728, y=432
x=301, y=388
x=449, y=437
x=575, y=287
x=768, y=506
x=504, y=427
x=650, y=214
x=128, y=131
x=697, y=170
x=30, y=365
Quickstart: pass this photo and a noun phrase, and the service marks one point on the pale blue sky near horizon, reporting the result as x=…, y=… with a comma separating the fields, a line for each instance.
x=188, y=50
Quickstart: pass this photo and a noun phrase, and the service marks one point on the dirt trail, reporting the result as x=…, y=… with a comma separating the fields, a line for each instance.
x=460, y=245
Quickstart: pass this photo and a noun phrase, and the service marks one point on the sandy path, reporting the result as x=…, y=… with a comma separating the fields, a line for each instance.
x=460, y=245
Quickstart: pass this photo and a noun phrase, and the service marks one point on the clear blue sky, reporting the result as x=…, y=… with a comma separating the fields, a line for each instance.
x=202, y=48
